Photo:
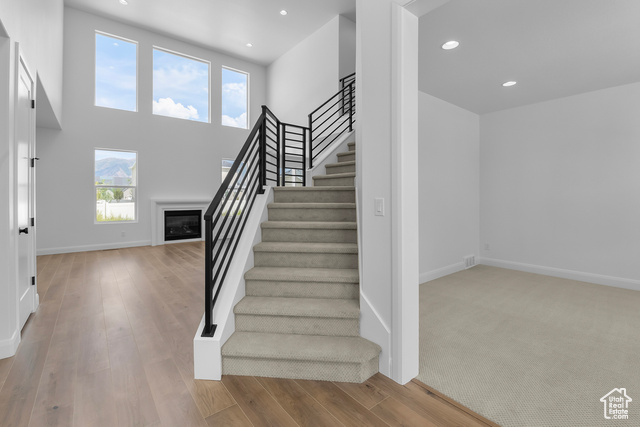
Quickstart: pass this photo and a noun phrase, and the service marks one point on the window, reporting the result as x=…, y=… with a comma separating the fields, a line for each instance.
x=116, y=177
x=237, y=201
x=116, y=73
x=180, y=86
x=293, y=177
x=226, y=166
x=235, y=91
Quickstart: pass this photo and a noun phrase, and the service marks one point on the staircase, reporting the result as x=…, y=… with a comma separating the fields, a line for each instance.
x=300, y=316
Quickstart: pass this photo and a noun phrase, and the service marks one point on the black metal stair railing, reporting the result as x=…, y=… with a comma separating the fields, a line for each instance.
x=276, y=154
x=332, y=119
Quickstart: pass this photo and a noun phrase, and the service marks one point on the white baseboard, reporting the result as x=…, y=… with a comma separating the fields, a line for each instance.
x=9, y=346
x=441, y=272
x=598, y=279
x=373, y=328
x=87, y=248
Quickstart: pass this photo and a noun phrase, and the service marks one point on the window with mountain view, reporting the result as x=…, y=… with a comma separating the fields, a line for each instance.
x=116, y=73
x=180, y=86
x=235, y=85
x=115, y=178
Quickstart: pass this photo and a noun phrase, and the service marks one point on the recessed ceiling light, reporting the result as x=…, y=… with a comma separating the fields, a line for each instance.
x=283, y=12
x=509, y=83
x=249, y=45
x=124, y=2
x=451, y=44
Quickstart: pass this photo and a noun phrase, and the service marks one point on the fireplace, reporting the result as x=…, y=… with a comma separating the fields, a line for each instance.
x=182, y=224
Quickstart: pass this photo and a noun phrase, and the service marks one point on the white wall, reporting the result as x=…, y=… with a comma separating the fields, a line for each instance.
x=449, y=186
x=347, y=48
x=37, y=26
x=177, y=158
x=306, y=76
x=560, y=186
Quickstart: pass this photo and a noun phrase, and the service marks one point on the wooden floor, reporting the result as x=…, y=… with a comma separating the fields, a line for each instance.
x=111, y=344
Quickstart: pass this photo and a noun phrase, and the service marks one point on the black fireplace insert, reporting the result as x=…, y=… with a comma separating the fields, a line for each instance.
x=181, y=225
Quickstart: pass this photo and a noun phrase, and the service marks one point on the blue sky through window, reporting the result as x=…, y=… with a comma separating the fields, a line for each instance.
x=234, y=98
x=180, y=87
x=116, y=75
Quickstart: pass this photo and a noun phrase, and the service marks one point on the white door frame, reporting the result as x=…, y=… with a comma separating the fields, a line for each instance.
x=32, y=300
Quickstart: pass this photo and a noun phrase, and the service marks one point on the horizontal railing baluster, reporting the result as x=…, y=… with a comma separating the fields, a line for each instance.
x=273, y=152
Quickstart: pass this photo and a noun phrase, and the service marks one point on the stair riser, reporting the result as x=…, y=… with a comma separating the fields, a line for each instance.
x=347, y=158
x=305, y=260
x=338, y=196
x=308, y=235
x=340, y=169
x=301, y=214
x=337, y=182
x=300, y=369
x=298, y=325
x=263, y=288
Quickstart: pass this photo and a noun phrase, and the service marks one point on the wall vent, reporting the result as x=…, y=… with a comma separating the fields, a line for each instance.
x=469, y=261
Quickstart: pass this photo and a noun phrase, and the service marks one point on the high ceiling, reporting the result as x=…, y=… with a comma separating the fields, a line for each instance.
x=227, y=25
x=552, y=48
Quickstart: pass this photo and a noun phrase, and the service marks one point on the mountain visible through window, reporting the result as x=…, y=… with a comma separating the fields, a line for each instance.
x=116, y=180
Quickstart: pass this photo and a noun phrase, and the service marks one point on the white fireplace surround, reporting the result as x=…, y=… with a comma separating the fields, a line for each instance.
x=158, y=206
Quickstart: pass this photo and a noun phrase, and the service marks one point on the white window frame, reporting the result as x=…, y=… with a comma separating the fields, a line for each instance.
x=224, y=67
x=193, y=58
x=96, y=186
x=95, y=64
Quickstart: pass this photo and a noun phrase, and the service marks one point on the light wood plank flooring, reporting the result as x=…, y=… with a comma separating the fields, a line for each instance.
x=111, y=344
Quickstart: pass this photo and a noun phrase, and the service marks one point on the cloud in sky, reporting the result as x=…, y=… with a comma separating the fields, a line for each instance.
x=168, y=107
x=234, y=98
x=182, y=80
x=237, y=122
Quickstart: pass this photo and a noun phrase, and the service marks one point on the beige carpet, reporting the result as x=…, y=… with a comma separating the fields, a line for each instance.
x=528, y=350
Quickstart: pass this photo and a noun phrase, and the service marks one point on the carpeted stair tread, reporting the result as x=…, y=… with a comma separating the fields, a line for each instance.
x=339, y=165
x=345, y=154
x=305, y=247
x=335, y=176
x=306, y=189
x=299, y=307
x=256, y=345
x=351, y=145
x=323, y=275
x=312, y=205
x=310, y=224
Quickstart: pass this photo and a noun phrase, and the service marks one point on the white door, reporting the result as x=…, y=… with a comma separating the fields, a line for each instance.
x=25, y=148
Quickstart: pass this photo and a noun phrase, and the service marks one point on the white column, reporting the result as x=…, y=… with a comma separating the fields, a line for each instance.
x=387, y=153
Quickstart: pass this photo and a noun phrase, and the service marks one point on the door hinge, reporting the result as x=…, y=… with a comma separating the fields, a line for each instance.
x=33, y=103
x=33, y=161
x=33, y=222
x=33, y=280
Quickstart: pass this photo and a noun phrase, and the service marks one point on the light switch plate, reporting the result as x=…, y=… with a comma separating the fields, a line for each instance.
x=379, y=206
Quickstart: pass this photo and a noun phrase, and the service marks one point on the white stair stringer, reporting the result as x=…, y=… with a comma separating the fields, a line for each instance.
x=300, y=317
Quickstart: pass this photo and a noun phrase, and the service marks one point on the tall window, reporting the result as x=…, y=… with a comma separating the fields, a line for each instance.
x=226, y=166
x=180, y=86
x=116, y=73
x=235, y=85
x=116, y=180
